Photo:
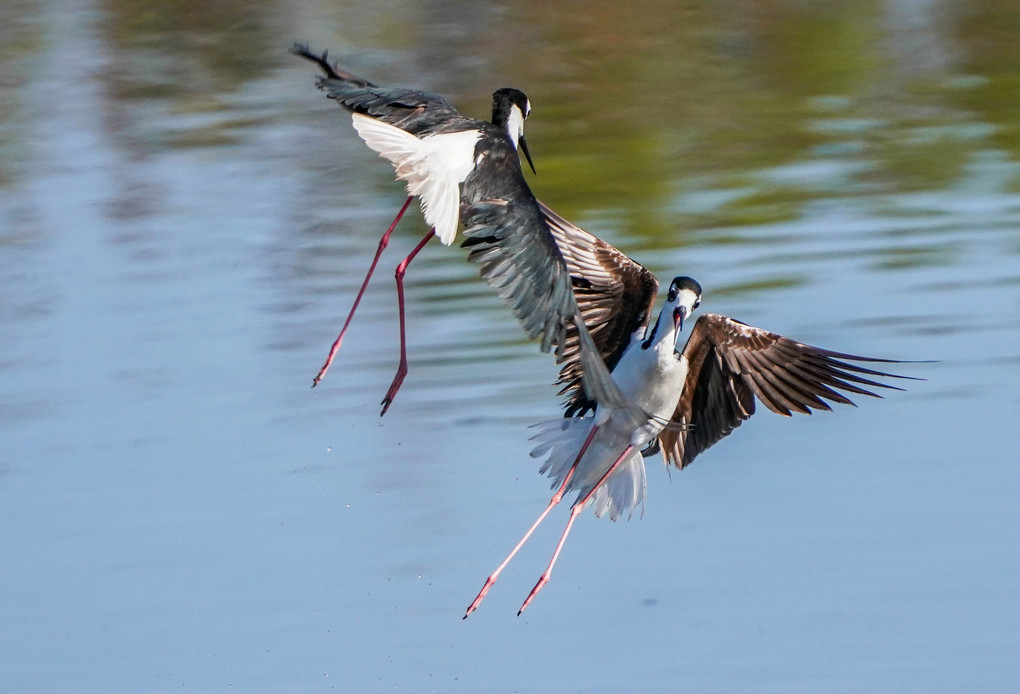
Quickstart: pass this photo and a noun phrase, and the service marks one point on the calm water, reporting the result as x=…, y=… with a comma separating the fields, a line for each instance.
x=184, y=221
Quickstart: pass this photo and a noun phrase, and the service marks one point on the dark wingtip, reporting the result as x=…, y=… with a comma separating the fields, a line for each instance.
x=304, y=51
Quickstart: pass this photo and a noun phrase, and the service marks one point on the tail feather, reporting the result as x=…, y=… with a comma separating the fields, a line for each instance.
x=624, y=490
x=560, y=440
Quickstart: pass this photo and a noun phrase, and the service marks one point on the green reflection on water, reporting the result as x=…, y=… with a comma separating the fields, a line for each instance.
x=758, y=286
x=639, y=107
x=197, y=47
x=985, y=34
x=189, y=55
x=19, y=40
x=667, y=125
x=914, y=256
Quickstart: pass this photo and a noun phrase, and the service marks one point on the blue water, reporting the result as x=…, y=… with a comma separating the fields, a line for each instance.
x=180, y=511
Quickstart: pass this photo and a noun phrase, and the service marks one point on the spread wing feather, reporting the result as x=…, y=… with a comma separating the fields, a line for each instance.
x=433, y=167
x=614, y=293
x=507, y=232
x=393, y=105
x=732, y=363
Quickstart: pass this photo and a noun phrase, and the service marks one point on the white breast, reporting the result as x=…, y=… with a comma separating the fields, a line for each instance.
x=651, y=380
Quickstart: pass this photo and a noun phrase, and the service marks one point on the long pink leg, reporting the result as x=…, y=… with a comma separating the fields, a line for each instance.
x=398, y=379
x=383, y=242
x=552, y=502
x=574, y=513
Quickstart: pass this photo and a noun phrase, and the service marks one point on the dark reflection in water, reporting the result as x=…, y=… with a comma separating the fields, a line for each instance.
x=184, y=220
x=195, y=59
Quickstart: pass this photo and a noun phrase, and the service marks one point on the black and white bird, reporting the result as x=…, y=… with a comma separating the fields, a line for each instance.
x=449, y=160
x=681, y=401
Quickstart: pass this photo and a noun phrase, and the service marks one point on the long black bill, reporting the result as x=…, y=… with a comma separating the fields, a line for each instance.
x=523, y=145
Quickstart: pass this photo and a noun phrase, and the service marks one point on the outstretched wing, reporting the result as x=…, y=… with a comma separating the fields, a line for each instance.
x=508, y=234
x=731, y=363
x=614, y=293
x=520, y=260
x=396, y=106
x=429, y=143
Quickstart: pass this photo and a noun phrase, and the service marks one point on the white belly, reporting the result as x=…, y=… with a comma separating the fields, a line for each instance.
x=654, y=385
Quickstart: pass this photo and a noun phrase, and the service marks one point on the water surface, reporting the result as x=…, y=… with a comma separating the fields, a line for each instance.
x=185, y=221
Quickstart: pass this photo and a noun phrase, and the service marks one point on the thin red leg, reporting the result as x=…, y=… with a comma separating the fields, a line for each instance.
x=491, y=580
x=398, y=379
x=574, y=513
x=383, y=242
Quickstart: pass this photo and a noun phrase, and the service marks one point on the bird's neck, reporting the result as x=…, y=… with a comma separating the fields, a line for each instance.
x=663, y=336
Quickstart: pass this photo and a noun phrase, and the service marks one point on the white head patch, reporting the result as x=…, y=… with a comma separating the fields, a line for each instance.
x=515, y=124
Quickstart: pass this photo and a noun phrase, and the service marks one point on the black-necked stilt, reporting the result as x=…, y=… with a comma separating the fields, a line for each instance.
x=690, y=400
x=447, y=158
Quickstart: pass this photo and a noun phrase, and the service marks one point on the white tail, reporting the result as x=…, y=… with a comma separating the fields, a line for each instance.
x=561, y=439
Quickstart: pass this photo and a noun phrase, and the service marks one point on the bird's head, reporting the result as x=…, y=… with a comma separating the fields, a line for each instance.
x=684, y=296
x=510, y=108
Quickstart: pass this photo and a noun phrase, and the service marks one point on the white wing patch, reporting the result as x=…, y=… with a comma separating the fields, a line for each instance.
x=433, y=166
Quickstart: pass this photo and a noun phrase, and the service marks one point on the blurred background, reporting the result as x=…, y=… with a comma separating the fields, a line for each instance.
x=185, y=220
